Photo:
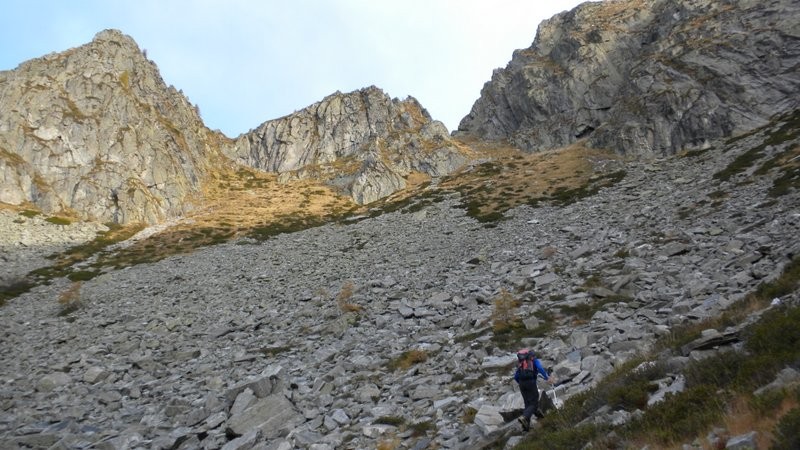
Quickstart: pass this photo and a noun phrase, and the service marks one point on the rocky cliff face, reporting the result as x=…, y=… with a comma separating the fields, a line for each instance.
x=373, y=140
x=645, y=76
x=96, y=131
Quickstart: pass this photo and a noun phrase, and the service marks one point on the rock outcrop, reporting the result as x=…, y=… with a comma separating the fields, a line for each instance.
x=645, y=77
x=364, y=142
x=95, y=131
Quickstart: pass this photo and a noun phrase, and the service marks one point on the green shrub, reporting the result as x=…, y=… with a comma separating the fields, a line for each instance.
x=786, y=283
x=58, y=220
x=774, y=342
x=29, y=213
x=719, y=371
x=789, y=179
x=767, y=404
x=786, y=435
x=632, y=395
x=622, y=253
x=687, y=413
x=394, y=421
x=421, y=428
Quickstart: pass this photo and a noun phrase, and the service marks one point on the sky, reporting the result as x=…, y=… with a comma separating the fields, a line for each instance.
x=244, y=62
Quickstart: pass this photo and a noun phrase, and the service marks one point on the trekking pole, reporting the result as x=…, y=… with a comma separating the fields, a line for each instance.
x=555, y=397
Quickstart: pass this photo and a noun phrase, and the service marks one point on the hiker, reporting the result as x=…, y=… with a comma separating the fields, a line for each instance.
x=528, y=368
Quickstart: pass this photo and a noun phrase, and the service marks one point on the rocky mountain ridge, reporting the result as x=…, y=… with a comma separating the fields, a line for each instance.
x=383, y=140
x=645, y=77
x=94, y=132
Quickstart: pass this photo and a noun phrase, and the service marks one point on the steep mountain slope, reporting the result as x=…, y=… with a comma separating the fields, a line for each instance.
x=385, y=330
x=363, y=141
x=95, y=132
x=646, y=77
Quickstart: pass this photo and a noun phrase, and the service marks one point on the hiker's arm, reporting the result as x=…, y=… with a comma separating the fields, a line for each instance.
x=540, y=368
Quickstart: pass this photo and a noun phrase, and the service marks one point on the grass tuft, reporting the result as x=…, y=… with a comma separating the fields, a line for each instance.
x=58, y=220
x=504, y=313
x=70, y=299
x=408, y=359
x=786, y=435
x=343, y=299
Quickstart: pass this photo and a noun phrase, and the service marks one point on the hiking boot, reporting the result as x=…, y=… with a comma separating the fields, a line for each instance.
x=526, y=423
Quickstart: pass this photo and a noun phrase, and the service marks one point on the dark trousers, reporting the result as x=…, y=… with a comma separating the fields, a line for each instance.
x=530, y=395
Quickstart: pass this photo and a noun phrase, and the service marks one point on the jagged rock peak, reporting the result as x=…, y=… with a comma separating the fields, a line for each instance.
x=117, y=36
x=646, y=77
x=385, y=139
x=95, y=131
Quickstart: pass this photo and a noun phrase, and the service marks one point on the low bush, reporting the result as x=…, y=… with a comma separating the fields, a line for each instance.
x=786, y=435
x=687, y=413
x=394, y=421
x=58, y=220
x=421, y=428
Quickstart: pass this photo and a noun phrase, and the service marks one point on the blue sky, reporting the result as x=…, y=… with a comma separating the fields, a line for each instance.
x=247, y=61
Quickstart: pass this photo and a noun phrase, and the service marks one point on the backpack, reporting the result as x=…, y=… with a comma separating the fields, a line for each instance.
x=525, y=363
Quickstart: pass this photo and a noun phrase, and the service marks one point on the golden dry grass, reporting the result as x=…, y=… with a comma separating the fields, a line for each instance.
x=741, y=419
x=514, y=178
x=239, y=202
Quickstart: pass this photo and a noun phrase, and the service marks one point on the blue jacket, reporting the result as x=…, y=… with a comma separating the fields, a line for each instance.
x=539, y=369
